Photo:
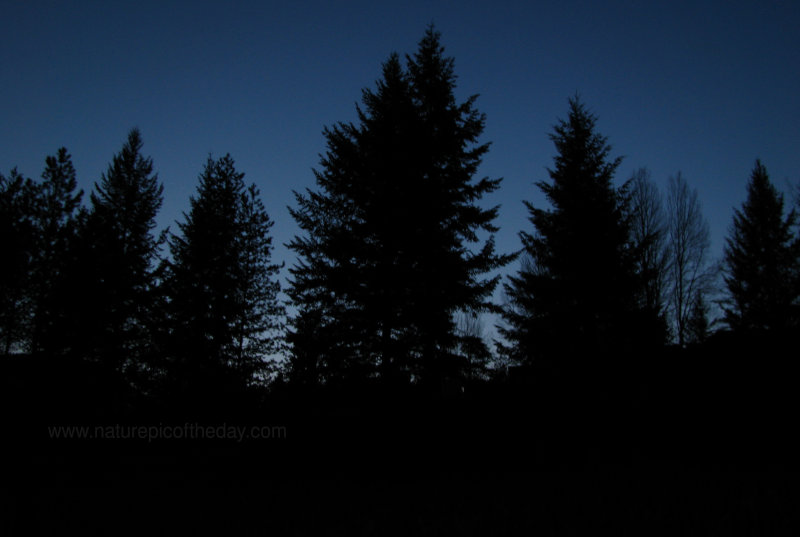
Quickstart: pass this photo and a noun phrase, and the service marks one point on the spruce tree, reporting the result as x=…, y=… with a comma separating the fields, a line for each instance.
x=761, y=261
x=576, y=295
x=385, y=262
x=18, y=202
x=224, y=312
x=57, y=216
x=451, y=278
x=117, y=261
x=353, y=219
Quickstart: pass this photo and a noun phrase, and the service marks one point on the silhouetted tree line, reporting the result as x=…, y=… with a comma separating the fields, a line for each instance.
x=93, y=283
x=396, y=260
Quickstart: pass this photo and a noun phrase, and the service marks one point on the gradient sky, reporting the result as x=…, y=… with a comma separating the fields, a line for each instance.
x=700, y=87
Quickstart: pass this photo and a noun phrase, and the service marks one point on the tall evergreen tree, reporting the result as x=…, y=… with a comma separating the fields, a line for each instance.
x=57, y=216
x=119, y=256
x=385, y=263
x=761, y=261
x=347, y=224
x=451, y=277
x=577, y=295
x=225, y=315
x=18, y=201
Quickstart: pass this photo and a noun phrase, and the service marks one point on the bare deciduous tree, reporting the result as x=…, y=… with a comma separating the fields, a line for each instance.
x=649, y=239
x=472, y=344
x=690, y=275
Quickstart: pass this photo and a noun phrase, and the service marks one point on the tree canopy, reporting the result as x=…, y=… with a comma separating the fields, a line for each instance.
x=58, y=217
x=576, y=294
x=120, y=252
x=18, y=235
x=223, y=308
x=386, y=259
x=761, y=260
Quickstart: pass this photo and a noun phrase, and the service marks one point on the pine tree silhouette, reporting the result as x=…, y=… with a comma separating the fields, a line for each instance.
x=576, y=295
x=18, y=199
x=761, y=258
x=385, y=261
x=224, y=315
x=118, y=254
x=58, y=215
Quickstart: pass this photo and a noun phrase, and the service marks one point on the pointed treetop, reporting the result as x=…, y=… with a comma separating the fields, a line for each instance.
x=130, y=173
x=761, y=257
x=429, y=66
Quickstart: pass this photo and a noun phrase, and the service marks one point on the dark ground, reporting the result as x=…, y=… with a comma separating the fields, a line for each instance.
x=683, y=450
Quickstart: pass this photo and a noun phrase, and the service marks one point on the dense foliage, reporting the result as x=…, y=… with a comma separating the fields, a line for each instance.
x=385, y=262
x=576, y=296
x=222, y=305
x=396, y=264
x=761, y=258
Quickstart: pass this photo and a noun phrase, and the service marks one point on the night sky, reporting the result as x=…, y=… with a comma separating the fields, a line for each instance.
x=704, y=89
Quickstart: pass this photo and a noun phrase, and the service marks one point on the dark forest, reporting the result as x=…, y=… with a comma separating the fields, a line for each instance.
x=619, y=342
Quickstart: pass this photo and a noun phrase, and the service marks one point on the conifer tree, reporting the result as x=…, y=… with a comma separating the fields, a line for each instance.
x=225, y=316
x=385, y=260
x=352, y=220
x=576, y=295
x=452, y=278
x=761, y=261
x=18, y=199
x=57, y=215
x=117, y=262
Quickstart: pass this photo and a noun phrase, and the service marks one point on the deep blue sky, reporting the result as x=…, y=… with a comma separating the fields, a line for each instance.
x=701, y=87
